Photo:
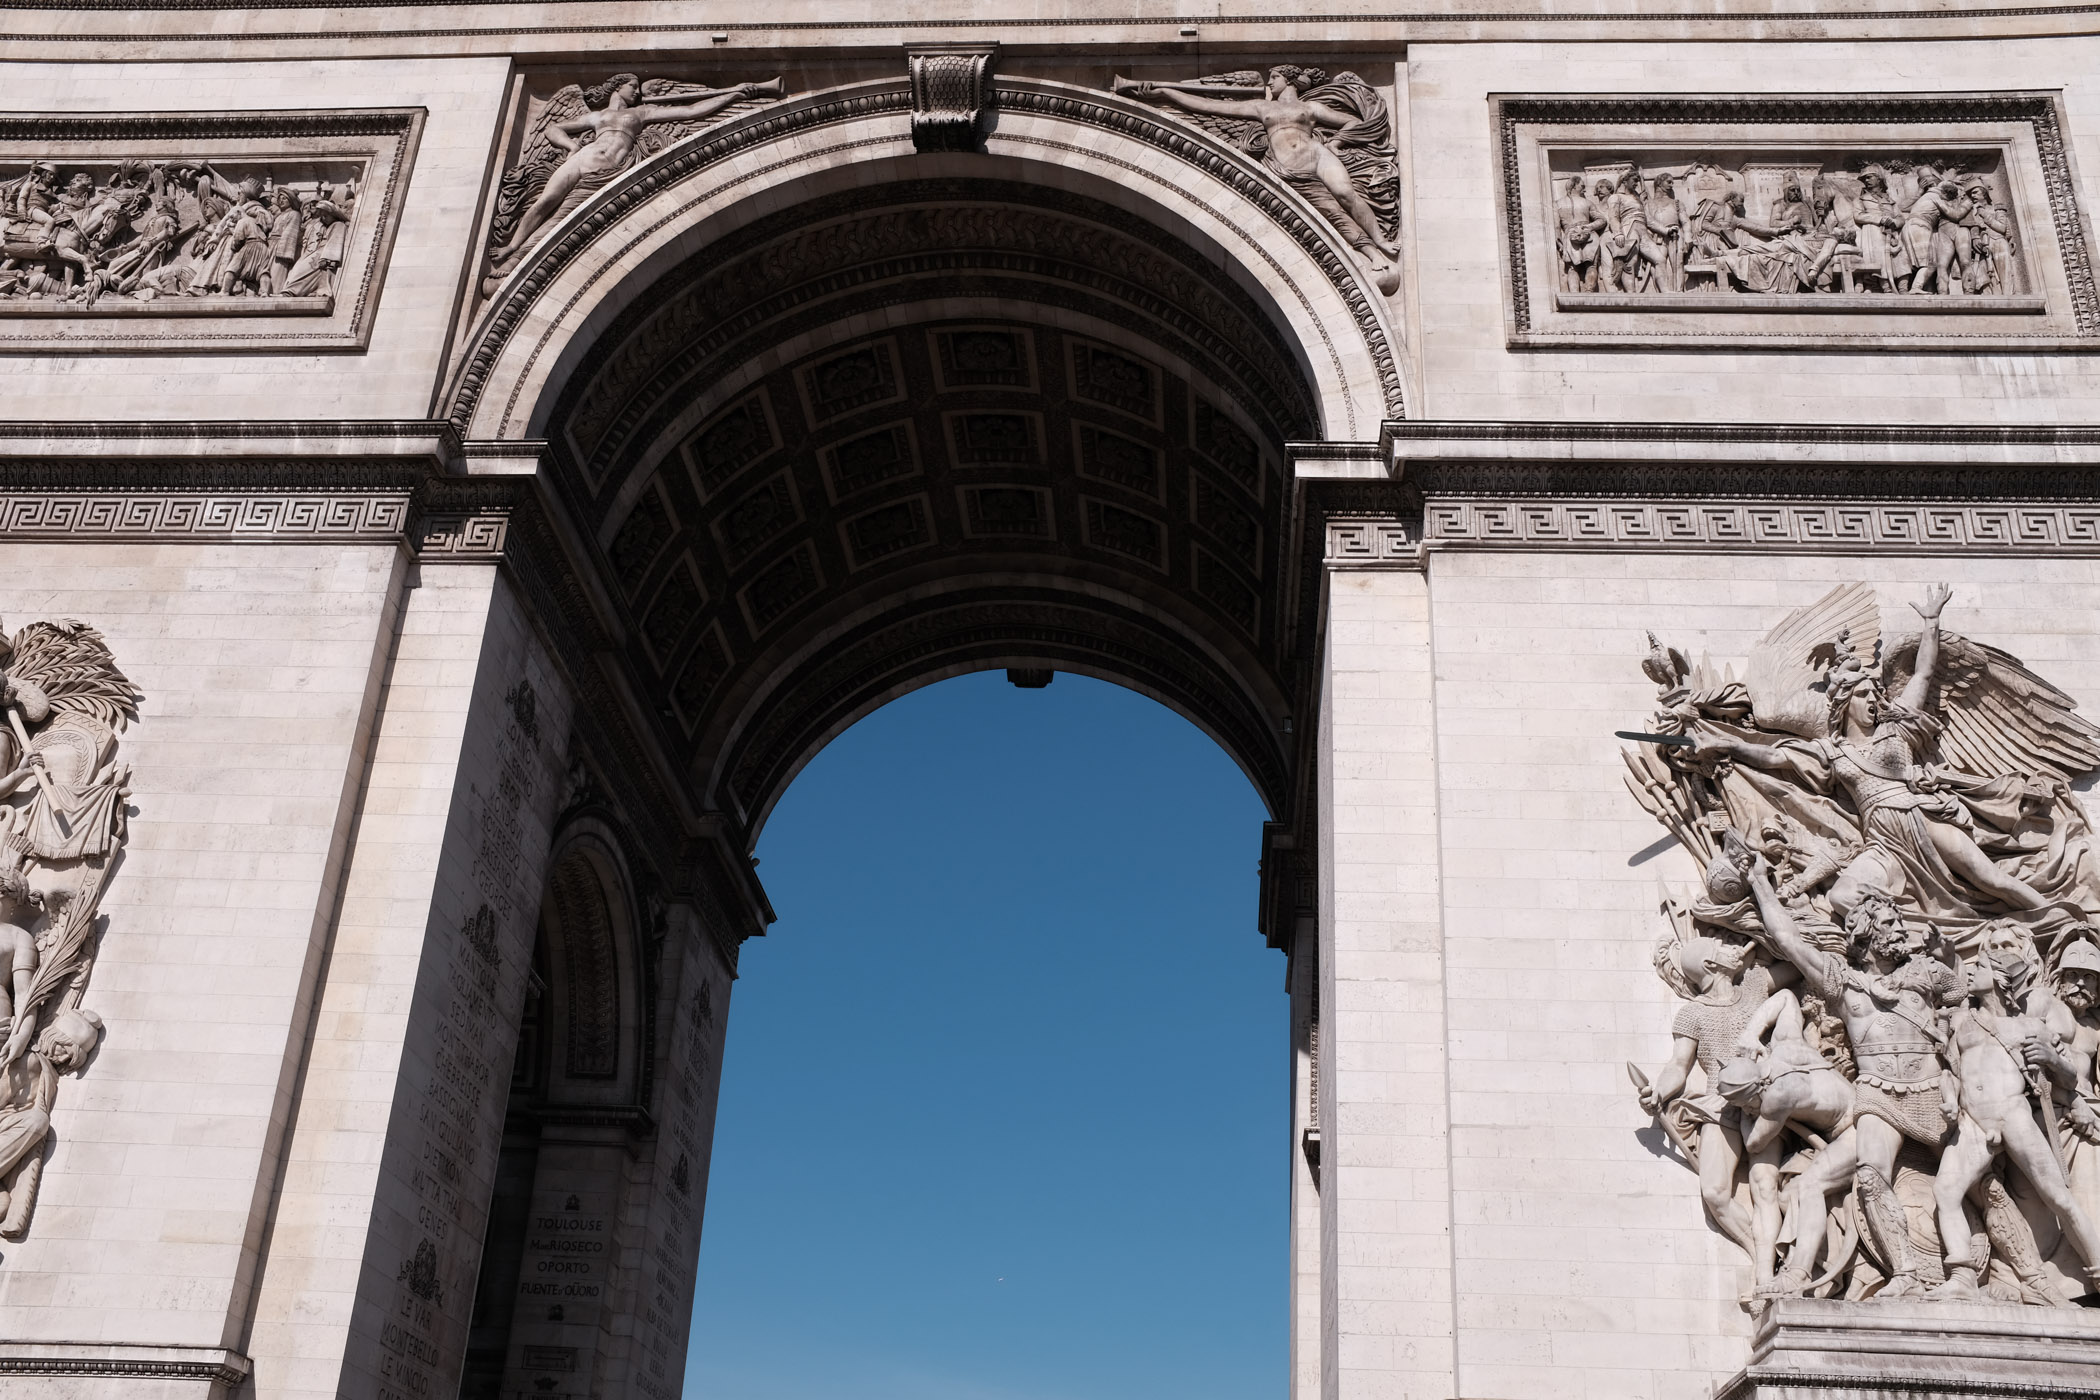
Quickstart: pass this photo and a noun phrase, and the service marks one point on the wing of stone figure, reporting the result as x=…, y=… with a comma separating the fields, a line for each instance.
x=1243, y=132
x=537, y=158
x=1785, y=670
x=1997, y=716
x=73, y=666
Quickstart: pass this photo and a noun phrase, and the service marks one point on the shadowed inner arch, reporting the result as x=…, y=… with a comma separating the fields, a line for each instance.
x=927, y=427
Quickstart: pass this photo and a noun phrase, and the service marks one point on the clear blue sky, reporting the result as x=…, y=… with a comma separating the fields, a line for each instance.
x=1003, y=1104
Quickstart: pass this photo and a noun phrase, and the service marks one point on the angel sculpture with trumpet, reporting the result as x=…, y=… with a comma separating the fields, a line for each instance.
x=1891, y=827
x=586, y=136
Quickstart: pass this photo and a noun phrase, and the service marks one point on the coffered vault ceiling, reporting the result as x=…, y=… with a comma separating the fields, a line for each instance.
x=902, y=433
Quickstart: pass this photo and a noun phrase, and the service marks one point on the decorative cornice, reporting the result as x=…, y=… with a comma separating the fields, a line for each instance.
x=309, y=434
x=207, y=126
x=1786, y=1383
x=216, y=1365
x=1175, y=24
x=1827, y=458
x=463, y=537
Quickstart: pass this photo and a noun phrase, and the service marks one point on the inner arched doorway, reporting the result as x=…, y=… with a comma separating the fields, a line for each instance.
x=890, y=419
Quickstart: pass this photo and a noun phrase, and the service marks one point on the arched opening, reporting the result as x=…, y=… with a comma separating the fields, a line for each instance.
x=1002, y=1108
x=829, y=429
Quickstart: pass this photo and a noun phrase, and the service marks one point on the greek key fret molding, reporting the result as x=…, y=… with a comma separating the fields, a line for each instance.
x=1378, y=542
x=461, y=537
x=1815, y=526
x=173, y=518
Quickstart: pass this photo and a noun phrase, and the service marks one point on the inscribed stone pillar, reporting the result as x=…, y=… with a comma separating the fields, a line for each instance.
x=377, y=1230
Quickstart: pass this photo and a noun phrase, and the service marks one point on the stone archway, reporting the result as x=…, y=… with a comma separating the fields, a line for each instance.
x=825, y=422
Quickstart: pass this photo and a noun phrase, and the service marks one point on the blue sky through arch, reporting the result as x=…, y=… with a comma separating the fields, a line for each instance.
x=1003, y=1102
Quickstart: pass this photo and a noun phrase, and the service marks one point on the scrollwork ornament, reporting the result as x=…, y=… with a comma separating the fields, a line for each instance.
x=1882, y=1068
x=63, y=792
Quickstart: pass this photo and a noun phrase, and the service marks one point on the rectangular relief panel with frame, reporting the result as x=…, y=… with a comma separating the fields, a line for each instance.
x=1885, y=222
x=198, y=231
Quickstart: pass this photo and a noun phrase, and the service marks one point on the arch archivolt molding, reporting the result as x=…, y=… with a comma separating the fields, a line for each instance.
x=1270, y=247
x=841, y=262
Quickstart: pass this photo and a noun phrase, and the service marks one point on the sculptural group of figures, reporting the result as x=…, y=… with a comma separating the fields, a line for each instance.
x=1891, y=977
x=174, y=228
x=1328, y=138
x=62, y=824
x=1895, y=226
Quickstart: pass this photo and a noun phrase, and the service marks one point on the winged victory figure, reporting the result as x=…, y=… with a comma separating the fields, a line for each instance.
x=1330, y=139
x=584, y=137
x=1891, y=824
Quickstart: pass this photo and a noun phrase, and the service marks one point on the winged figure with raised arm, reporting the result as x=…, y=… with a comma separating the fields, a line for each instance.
x=1952, y=759
x=1882, y=817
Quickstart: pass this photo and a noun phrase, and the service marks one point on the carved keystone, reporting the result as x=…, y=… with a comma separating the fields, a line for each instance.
x=950, y=88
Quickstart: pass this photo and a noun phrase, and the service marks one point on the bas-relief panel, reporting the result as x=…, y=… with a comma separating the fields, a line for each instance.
x=1897, y=222
x=171, y=232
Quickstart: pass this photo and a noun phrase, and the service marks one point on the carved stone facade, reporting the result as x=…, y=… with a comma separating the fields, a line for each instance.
x=1888, y=970
x=1832, y=219
x=170, y=231
x=503, y=446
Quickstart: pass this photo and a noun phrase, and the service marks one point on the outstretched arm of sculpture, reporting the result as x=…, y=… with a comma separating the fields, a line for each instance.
x=707, y=106
x=1742, y=751
x=1919, y=691
x=1248, y=109
x=1823, y=974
